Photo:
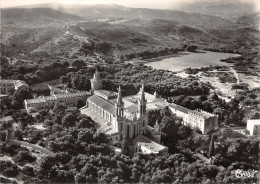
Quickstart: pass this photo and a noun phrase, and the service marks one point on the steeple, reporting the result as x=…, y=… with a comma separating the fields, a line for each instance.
x=157, y=127
x=157, y=132
x=96, y=81
x=155, y=94
x=96, y=76
x=142, y=93
x=119, y=96
x=119, y=104
x=142, y=102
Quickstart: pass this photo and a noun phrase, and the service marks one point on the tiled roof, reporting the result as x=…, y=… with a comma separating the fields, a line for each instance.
x=132, y=108
x=6, y=118
x=106, y=92
x=2, y=96
x=20, y=83
x=49, y=98
x=179, y=108
x=57, y=96
x=7, y=81
x=104, y=104
x=254, y=121
x=201, y=113
x=148, y=143
x=36, y=100
x=135, y=98
x=67, y=95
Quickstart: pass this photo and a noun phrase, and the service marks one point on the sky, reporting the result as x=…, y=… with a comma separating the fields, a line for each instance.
x=156, y=4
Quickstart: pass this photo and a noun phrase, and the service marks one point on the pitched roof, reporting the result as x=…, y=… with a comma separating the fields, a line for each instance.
x=148, y=143
x=36, y=100
x=104, y=104
x=3, y=96
x=6, y=118
x=135, y=98
x=67, y=95
x=132, y=108
x=20, y=83
x=254, y=121
x=179, y=108
x=106, y=92
x=201, y=113
x=7, y=81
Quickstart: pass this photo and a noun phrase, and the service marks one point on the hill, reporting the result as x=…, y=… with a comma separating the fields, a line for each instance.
x=35, y=16
x=72, y=31
x=230, y=9
x=112, y=11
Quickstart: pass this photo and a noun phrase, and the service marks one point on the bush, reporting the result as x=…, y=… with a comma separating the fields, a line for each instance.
x=24, y=156
x=29, y=171
x=8, y=168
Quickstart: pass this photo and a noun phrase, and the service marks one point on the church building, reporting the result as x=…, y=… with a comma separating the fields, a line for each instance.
x=122, y=117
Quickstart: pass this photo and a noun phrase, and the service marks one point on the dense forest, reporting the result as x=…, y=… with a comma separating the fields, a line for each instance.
x=33, y=73
x=80, y=154
x=130, y=77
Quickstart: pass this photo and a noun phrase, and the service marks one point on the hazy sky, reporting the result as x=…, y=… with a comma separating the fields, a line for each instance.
x=158, y=4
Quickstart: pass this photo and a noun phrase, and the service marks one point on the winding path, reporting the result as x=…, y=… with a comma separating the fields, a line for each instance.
x=235, y=74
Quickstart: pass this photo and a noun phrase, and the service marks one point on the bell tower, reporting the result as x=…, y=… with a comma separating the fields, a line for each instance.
x=96, y=81
x=142, y=102
x=119, y=104
x=157, y=132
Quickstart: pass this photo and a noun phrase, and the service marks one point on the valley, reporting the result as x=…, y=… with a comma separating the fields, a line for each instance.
x=86, y=82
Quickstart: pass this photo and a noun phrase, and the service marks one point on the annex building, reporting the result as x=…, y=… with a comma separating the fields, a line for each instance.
x=6, y=84
x=204, y=121
x=253, y=126
x=50, y=101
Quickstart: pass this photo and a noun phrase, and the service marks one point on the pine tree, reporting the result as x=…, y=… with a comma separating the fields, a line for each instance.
x=212, y=147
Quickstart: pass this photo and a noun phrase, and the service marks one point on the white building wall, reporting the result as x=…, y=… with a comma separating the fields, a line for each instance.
x=145, y=150
x=253, y=126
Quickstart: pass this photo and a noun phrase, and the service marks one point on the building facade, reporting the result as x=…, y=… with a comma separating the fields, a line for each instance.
x=144, y=145
x=50, y=101
x=120, y=117
x=204, y=121
x=253, y=126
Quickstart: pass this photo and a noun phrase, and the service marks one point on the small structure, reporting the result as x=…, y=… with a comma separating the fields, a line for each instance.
x=145, y=145
x=3, y=97
x=253, y=126
x=16, y=84
x=6, y=119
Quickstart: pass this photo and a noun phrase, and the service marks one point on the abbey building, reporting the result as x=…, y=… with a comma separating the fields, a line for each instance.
x=127, y=117
x=123, y=117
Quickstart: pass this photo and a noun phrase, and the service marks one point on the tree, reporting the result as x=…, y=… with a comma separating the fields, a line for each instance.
x=212, y=147
x=8, y=168
x=19, y=96
x=255, y=115
x=78, y=63
x=69, y=120
x=23, y=118
x=64, y=79
x=3, y=135
x=24, y=156
x=18, y=134
x=192, y=48
x=28, y=170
